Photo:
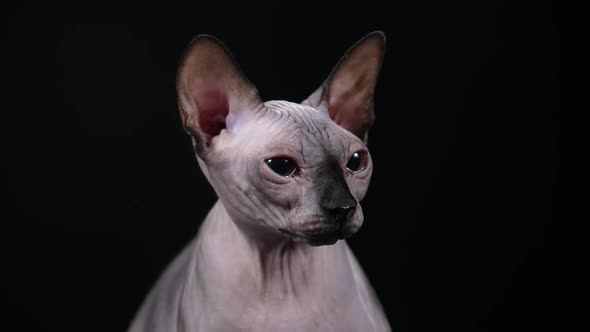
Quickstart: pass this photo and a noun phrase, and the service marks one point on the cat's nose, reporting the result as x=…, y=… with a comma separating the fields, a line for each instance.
x=341, y=213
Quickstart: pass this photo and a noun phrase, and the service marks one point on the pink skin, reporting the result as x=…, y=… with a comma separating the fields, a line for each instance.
x=268, y=255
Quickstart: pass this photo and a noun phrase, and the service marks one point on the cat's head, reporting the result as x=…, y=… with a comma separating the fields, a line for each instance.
x=283, y=168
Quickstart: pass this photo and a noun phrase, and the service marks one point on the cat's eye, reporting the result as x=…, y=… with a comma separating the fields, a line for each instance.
x=282, y=166
x=357, y=162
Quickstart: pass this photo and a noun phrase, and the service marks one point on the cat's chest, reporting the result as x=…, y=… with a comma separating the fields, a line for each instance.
x=319, y=312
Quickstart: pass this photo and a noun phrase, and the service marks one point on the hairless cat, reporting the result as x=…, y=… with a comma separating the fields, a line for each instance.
x=271, y=254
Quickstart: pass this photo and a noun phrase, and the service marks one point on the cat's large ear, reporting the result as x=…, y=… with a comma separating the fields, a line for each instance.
x=347, y=93
x=213, y=93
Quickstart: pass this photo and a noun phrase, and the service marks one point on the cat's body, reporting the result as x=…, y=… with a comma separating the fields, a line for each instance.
x=285, y=289
x=289, y=177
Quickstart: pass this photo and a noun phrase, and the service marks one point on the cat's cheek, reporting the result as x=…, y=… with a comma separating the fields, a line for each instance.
x=355, y=224
x=359, y=183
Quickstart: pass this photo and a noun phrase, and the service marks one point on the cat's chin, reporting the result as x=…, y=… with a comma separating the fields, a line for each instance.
x=316, y=240
x=323, y=241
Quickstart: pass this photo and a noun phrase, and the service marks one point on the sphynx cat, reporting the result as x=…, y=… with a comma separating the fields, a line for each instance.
x=271, y=255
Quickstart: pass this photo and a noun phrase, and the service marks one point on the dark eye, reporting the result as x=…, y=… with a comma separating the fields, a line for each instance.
x=357, y=161
x=282, y=166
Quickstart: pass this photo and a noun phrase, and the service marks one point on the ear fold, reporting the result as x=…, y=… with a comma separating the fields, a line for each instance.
x=212, y=91
x=347, y=93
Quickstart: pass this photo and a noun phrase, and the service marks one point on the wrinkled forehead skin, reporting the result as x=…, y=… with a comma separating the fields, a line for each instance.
x=286, y=128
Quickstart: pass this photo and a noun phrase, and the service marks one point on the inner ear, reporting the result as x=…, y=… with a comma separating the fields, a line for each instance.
x=213, y=106
x=210, y=88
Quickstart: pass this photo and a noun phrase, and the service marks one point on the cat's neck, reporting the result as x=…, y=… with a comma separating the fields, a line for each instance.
x=271, y=268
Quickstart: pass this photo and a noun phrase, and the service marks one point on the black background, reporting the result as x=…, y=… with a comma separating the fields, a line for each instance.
x=462, y=218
